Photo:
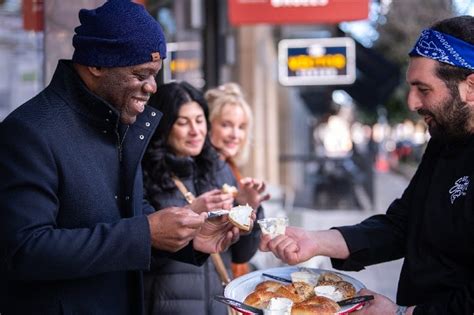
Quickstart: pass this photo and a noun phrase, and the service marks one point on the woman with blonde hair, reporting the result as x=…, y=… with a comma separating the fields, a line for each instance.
x=231, y=121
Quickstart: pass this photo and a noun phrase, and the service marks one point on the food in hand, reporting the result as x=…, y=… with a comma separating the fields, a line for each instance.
x=240, y=216
x=228, y=189
x=273, y=226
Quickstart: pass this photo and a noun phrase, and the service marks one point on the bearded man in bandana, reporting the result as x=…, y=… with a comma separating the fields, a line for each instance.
x=431, y=225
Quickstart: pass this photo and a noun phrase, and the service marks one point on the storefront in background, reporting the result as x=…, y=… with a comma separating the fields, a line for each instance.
x=21, y=53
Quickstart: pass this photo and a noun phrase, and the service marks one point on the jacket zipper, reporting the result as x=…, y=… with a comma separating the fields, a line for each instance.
x=120, y=141
x=119, y=145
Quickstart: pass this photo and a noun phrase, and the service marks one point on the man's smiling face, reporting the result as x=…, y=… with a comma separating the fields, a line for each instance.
x=128, y=88
x=443, y=110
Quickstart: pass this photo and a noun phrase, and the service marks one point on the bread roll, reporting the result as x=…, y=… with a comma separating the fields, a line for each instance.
x=346, y=288
x=304, y=289
x=315, y=305
x=260, y=298
x=268, y=285
x=328, y=278
x=228, y=189
x=289, y=292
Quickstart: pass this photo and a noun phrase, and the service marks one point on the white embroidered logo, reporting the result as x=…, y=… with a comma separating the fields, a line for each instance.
x=459, y=188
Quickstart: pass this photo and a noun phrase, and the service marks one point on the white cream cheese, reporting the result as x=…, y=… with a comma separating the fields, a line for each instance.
x=241, y=214
x=328, y=291
x=278, y=306
x=273, y=226
x=304, y=276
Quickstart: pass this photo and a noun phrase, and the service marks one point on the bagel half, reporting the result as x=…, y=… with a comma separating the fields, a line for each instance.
x=240, y=216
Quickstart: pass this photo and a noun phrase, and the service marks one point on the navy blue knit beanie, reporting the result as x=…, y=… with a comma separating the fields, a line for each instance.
x=118, y=34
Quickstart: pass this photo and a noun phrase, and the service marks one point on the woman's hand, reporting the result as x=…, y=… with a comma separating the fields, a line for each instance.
x=251, y=192
x=212, y=200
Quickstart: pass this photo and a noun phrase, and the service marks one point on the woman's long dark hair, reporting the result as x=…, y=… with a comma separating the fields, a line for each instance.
x=168, y=100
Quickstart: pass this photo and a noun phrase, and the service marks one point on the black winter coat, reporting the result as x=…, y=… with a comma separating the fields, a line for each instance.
x=73, y=232
x=178, y=288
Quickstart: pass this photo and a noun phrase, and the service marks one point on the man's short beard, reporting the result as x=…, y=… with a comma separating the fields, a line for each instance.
x=452, y=122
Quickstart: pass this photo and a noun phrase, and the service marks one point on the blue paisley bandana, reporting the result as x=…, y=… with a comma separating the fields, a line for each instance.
x=444, y=48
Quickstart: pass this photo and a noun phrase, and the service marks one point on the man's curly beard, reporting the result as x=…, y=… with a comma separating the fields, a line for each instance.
x=451, y=120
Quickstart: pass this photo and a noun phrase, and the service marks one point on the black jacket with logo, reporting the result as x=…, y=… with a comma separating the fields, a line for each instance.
x=432, y=227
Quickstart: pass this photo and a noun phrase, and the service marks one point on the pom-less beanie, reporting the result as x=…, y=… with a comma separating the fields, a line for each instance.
x=120, y=33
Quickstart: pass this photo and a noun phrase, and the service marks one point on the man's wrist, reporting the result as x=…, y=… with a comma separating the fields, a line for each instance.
x=315, y=245
x=401, y=310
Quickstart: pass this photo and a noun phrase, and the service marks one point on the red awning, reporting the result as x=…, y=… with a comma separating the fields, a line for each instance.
x=296, y=11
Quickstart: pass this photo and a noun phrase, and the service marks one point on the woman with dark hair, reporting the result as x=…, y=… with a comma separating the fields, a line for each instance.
x=181, y=167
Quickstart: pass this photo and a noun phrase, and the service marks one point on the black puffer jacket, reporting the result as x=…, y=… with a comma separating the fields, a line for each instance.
x=178, y=288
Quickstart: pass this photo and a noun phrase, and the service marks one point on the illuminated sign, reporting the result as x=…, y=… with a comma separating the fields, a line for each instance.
x=319, y=61
x=243, y=12
x=184, y=63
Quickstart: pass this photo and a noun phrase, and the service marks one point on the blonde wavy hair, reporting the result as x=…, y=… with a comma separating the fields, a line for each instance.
x=231, y=94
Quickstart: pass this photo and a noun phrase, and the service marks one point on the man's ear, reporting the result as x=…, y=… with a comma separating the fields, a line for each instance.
x=470, y=88
x=95, y=71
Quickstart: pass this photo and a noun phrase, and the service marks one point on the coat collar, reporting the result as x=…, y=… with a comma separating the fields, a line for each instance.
x=69, y=86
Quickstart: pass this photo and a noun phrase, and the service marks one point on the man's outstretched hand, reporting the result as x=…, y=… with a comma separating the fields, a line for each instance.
x=294, y=247
x=298, y=245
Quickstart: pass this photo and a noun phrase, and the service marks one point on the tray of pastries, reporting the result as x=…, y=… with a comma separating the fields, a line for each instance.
x=299, y=290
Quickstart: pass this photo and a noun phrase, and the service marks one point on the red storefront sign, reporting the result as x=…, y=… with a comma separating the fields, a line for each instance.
x=296, y=11
x=33, y=15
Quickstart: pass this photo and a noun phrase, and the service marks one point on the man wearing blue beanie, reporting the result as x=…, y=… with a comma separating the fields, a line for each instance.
x=75, y=232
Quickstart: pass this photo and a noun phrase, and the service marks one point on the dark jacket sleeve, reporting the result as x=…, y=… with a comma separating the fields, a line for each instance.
x=377, y=239
x=33, y=246
x=147, y=207
x=382, y=238
x=186, y=255
x=460, y=301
